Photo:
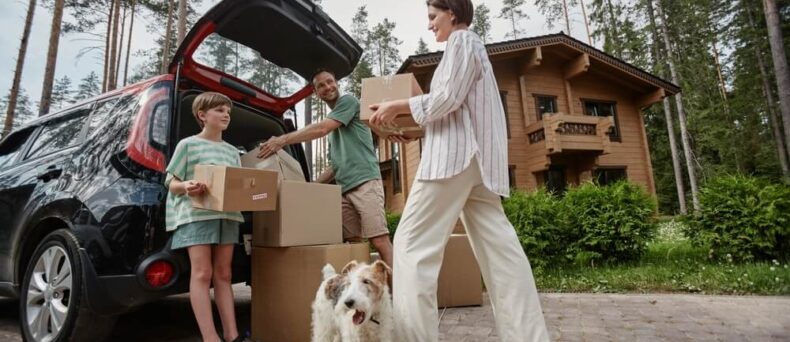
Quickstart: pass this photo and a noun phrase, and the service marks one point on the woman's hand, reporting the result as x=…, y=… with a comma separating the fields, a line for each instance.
x=194, y=188
x=385, y=112
x=399, y=139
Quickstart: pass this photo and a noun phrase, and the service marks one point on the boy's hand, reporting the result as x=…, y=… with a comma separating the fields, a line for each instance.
x=194, y=188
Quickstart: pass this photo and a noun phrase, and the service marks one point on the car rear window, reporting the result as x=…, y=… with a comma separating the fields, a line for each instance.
x=246, y=64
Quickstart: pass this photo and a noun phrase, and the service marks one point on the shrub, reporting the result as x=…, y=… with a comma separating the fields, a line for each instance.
x=537, y=218
x=743, y=218
x=610, y=223
x=392, y=223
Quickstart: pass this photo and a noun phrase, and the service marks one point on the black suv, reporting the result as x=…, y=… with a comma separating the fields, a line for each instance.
x=82, y=234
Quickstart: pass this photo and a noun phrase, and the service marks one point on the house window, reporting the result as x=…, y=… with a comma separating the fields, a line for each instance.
x=511, y=175
x=503, y=97
x=396, y=183
x=545, y=104
x=602, y=108
x=610, y=175
x=554, y=180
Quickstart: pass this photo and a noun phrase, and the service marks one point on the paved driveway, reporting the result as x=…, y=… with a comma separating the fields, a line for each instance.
x=570, y=317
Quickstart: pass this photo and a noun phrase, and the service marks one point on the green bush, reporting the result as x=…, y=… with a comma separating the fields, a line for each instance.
x=392, y=223
x=537, y=218
x=609, y=223
x=743, y=218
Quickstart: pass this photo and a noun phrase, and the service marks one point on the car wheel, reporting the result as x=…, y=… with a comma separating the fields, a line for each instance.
x=52, y=305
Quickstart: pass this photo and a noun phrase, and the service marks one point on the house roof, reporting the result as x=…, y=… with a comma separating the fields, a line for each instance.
x=433, y=58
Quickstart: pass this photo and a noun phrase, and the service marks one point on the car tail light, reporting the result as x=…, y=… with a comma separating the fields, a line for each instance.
x=159, y=273
x=148, y=136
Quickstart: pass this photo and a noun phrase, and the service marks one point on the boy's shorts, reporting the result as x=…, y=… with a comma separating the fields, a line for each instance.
x=363, y=211
x=209, y=232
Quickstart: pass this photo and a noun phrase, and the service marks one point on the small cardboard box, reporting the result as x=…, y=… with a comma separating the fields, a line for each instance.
x=284, y=284
x=307, y=214
x=387, y=88
x=236, y=189
x=460, y=281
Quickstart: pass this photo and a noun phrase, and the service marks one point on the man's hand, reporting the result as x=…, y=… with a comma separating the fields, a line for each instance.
x=194, y=188
x=271, y=146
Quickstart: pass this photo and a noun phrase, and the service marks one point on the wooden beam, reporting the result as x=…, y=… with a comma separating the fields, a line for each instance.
x=569, y=96
x=578, y=66
x=648, y=99
x=525, y=108
x=532, y=60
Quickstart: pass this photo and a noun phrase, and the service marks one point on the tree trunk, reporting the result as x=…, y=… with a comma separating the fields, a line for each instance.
x=586, y=22
x=182, y=20
x=129, y=43
x=20, y=63
x=107, y=42
x=308, y=146
x=116, y=15
x=567, y=20
x=780, y=63
x=781, y=148
x=681, y=112
x=52, y=58
x=673, y=146
x=120, y=47
x=614, y=34
x=168, y=33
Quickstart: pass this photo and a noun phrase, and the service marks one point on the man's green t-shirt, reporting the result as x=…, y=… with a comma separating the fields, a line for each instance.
x=351, y=146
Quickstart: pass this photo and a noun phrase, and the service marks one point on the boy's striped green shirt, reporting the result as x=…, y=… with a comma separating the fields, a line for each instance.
x=189, y=152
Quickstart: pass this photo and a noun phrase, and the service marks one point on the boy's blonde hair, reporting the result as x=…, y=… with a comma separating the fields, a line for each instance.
x=206, y=101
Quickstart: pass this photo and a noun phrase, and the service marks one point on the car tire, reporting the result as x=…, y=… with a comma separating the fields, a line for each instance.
x=52, y=305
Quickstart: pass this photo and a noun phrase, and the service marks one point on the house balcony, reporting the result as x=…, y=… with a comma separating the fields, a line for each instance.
x=560, y=133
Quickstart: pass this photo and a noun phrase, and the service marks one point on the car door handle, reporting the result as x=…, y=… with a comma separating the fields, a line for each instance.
x=49, y=174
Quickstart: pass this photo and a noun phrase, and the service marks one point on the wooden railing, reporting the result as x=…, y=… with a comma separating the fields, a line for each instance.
x=560, y=132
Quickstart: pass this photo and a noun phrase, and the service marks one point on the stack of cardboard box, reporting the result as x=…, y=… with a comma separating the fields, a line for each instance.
x=297, y=230
x=290, y=247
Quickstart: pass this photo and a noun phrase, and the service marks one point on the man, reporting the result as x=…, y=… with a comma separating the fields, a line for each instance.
x=354, y=164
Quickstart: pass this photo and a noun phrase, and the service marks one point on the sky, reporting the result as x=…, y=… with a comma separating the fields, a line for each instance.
x=410, y=17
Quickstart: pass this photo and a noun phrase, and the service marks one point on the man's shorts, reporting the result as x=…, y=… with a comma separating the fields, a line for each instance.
x=363, y=211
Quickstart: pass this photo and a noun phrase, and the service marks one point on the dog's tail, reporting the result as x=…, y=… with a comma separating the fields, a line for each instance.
x=328, y=271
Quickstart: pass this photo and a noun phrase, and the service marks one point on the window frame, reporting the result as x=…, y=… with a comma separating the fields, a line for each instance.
x=606, y=168
x=72, y=114
x=503, y=100
x=537, y=97
x=617, y=136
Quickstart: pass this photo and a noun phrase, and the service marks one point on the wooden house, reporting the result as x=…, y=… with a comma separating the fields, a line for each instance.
x=574, y=114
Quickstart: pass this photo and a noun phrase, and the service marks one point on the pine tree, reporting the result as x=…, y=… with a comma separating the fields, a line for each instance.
x=556, y=10
x=512, y=11
x=422, y=47
x=779, y=56
x=361, y=34
x=20, y=62
x=88, y=87
x=62, y=94
x=384, y=47
x=23, y=113
x=52, y=57
x=481, y=23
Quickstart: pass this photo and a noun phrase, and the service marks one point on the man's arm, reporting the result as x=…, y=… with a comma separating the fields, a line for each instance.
x=311, y=132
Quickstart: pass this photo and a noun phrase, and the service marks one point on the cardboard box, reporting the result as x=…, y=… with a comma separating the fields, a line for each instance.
x=236, y=189
x=284, y=284
x=460, y=281
x=388, y=88
x=286, y=166
x=307, y=214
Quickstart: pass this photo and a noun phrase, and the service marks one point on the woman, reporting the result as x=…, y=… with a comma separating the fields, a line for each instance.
x=463, y=171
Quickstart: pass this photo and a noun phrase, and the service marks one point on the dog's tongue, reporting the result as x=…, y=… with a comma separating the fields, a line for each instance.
x=359, y=317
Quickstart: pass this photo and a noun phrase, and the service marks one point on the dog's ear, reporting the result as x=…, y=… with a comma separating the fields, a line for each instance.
x=380, y=269
x=334, y=287
x=349, y=266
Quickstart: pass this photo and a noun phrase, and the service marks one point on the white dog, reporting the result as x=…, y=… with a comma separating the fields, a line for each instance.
x=355, y=305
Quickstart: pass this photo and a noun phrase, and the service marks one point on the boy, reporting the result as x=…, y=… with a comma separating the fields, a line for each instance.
x=207, y=235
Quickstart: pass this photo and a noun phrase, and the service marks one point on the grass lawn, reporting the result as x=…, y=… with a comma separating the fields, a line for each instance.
x=670, y=264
